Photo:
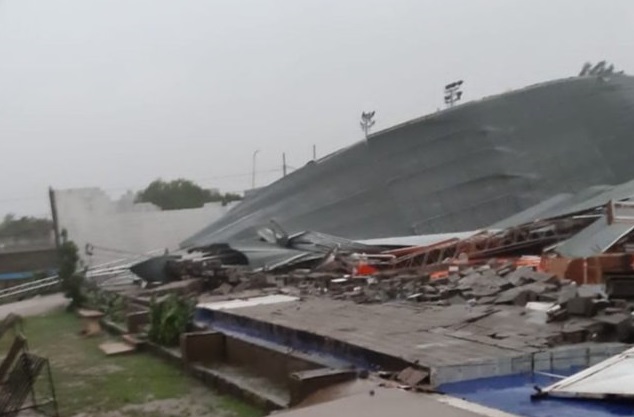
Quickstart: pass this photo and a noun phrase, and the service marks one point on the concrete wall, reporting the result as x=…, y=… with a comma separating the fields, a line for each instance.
x=553, y=360
x=271, y=361
x=332, y=352
x=120, y=228
x=205, y=347
x=266, y=361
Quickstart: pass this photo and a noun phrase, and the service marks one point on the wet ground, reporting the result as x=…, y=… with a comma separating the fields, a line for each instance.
x=34, y=306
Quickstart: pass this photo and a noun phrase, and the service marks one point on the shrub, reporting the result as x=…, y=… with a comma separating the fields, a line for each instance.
x=169, y=318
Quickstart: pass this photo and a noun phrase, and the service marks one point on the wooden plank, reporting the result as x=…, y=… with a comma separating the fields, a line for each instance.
x=89, y=314
x=116, y=348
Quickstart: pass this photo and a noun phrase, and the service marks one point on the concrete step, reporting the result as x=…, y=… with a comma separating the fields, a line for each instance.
x=132, y=340
x=245, y=384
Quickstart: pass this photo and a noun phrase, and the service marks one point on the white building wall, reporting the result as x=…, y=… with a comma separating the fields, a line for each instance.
x=121, y=229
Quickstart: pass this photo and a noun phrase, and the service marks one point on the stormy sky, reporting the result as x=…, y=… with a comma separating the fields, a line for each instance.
x=115, y=93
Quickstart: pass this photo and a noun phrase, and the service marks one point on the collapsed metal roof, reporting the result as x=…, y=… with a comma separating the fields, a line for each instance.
x=465, y=168
x=611, y=379
x=568, y=204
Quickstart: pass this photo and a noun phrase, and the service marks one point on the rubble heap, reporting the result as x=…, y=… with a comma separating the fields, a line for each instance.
x=584, y=314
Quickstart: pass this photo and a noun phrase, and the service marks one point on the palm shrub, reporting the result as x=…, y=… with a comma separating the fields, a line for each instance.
x=169, y=318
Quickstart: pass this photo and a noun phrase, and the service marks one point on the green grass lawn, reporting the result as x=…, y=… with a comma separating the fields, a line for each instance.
x=137, y=384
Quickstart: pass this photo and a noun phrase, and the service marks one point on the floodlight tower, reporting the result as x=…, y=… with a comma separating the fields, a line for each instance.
x=453, y=93
x=367, y=121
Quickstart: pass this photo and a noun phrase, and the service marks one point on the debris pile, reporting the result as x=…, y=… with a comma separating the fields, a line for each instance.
x=583, y=314
x=484, y=284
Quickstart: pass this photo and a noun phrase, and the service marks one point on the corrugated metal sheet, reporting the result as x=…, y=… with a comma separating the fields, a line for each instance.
x=536, y=212
x=594, y=239
x=593, y=197
x=611, y=379
x=461, y=169
x=567, y=204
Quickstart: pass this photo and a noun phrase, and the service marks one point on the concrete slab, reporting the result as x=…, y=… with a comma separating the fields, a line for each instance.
x=431, y=336
x=457, y=342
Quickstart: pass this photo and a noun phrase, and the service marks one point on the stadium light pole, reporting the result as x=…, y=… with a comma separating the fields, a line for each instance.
x=367, y=121
x=453, y=94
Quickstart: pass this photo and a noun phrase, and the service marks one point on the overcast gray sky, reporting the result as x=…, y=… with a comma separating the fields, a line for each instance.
x=115, y=93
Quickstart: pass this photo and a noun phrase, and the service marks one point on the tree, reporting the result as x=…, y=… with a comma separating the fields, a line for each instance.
x=26, y=227
x=230, y=197
x=181, y=194
x=71, y=280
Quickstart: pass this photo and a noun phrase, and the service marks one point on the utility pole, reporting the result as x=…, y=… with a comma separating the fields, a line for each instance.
x=314, y=152
x=453, y=93
x=367, y=121
x=255, y=154
x=53, y=202
x=284, y=164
